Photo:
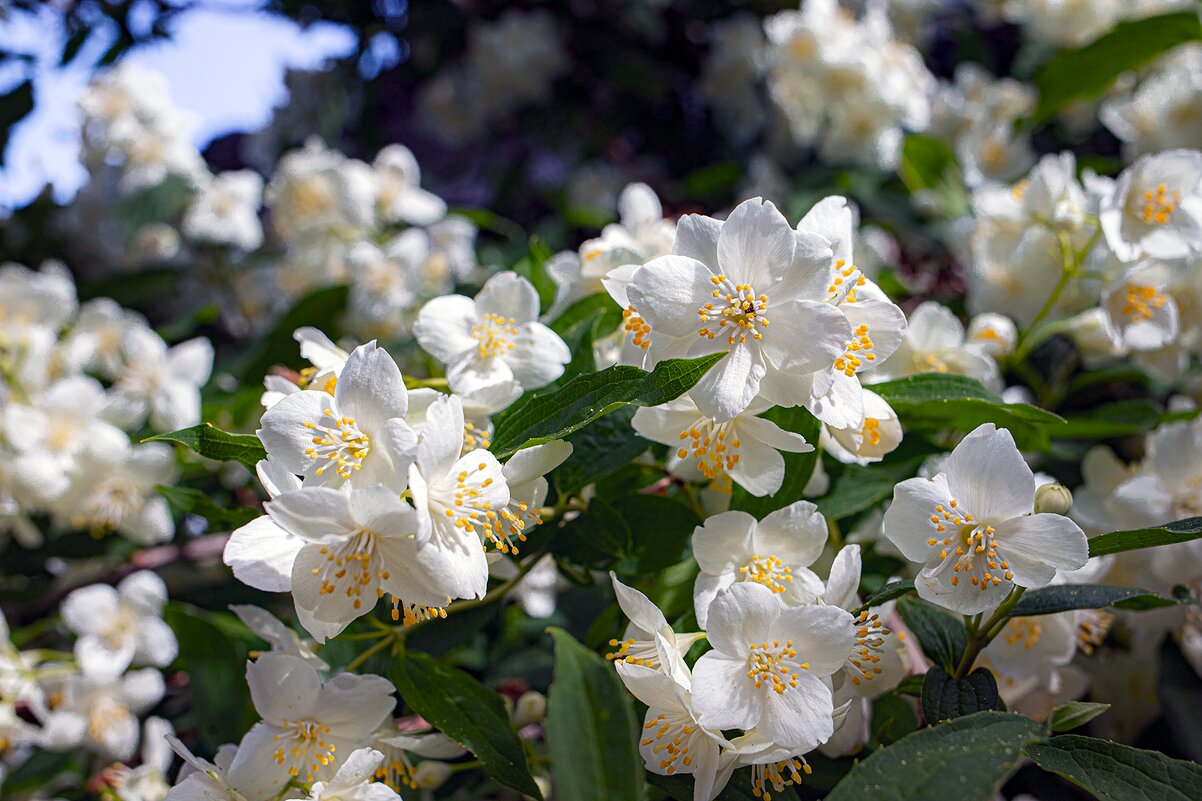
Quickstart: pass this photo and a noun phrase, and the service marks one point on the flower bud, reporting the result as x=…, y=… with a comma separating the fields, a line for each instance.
x=1053, y=499
x=530, y=708
x=431, y=774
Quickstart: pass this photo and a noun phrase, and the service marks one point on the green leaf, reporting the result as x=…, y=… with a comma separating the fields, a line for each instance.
x=968, y=759
x=858, y=488
x=1168, y=534
x=938, y=401
x=1063, y=597
x=634, y=534
x=946, y=698
x=467, y=712
x=1088, y=71
x=892, y=719
x=193, y=501
x=941, y=636
x=894, y=589
x=321, y=309
x=539, y=418
x=534, y=269
x=598, y=450
x=216, y=665
x=1114, y=772
x=212, y=443
x=1074, y=714
x=1118, y=419
x=928, y=163
x=591, y=728
x=798, y=466
x=599, y=307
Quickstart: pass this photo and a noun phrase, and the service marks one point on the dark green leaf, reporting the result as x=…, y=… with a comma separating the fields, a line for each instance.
x=467, y=712
x=941, y=636
x=599, y=307
x=858, y=488
x=798, y=466
x=892, y=719
x=1168, y=534
x=320, y=308
x=1114, y=772
x=968, y=759
x=591, y=728
x=212, y=443
x=534, y=269
x=892, y=590
x=535, y=419
x=928, y=163
x=1074, y=714
x=193, y=501
x=598, y=450
x=938, y=401
x=910, y=685
x=1118, y=419
x=633, y=535
x=946, y=698
x=1088, y=71
x=1062, y=597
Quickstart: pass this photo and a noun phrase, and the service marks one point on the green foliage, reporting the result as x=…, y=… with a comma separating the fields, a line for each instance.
x=591, y=727
x=1073, y=714
x=892, y=719
x=599, y=306
x=892, y=590
x=929, y=165
x=946, y=698
x=861, y=487
x=538, y=418
x=969, y=758
x=1114, y=772
x=1063, y=597
x=1088, y=71
x=1168, y=534
x=193, y=501
x=321, y=309
x=212, y=443
x=467, y=712
x=534, y=269
x=941, y=636
x=599, y=450
x=633, y=534
x=798, y=466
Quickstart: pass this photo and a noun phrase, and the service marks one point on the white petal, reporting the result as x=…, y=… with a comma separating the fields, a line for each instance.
x=988, y=477
x=261, y=555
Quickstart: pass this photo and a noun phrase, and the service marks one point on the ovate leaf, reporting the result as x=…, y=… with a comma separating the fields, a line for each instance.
x=591, y=728
x=1063, y=597
x=1114, y=772
x=968, y=759
x=193, y=501
x=538, y=418
x=946, y=698
x=1088, y=71
x=1168, y=534
x=212, y=443
x=1074, y=714
x=467, y=712
x=941, y=636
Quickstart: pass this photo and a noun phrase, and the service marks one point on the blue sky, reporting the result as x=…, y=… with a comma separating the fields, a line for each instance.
x=226, y=63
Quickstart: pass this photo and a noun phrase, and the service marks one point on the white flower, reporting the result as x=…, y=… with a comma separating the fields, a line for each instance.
x=996, y=334
x=493, y=339
x=282, y=639
x=726, y=282
x=1155, y=207
x=398, y=771
x=226, y=211
x=355, y=781
x=319, y=193
x=460, y=500
x=672, y=741
x=95, y=341
x=972, y=527
x=776, y=552
x=326, y=358
x=309, y=727
x=1051, y=195
x=875, y=665
x=34, y=306
x=876, y=436
x=770, y=667
x=524, y=476
x=118, y=627
x=649, y=640
x=100, y=712
x=1140, y=314
x=148, y=781
x=161, y=382
x=357, y=436
x=935, y=343
x=745, y=449
x=399, y=196
x=1165, y=111
x=114, y=491
x=201, y=780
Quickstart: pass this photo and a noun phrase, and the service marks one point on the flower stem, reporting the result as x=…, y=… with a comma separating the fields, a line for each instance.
x=376, y=647
x=983, y=634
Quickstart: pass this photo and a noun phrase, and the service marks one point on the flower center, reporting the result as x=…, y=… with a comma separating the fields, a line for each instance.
x=636, y=652
x=767, y=570
x=974, y=539
x=773, y=774
x=510, y=524
x=298, y=742
x=463, y=502
x=122, y=628
x=637, y=327
x=1141, y=301
x=671, y=738
x=1159, y=204
x=111, y=501
x=847, y=278
x=857, y=352
x=871, y=431
x=866, y=656
x=774, y=662
x=1024, y=631
x=493, y=334
x=715, y=446
x=1092, y=628
x=341, y=444
x=736, y=313
x=107, y=715
x=928, y=362
x=351, y=567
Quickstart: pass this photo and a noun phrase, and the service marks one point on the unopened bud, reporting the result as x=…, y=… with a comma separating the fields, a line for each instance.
x=1053, y=499
x=431, y=774
x=530, y=708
